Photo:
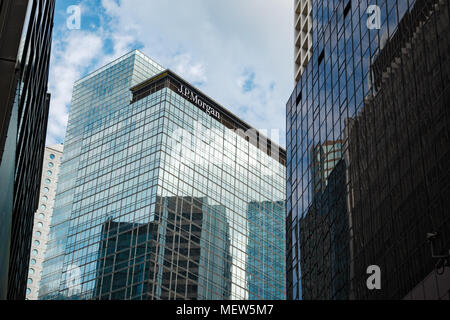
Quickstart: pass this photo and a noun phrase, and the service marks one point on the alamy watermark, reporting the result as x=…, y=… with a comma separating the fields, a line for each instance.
x=374, y=280
x=73, y=21
x=374, y=20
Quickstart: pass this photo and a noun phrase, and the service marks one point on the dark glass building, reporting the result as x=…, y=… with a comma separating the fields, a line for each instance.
x=184, y=249
x=25, y=42
x=163, y=194
x=379, y=98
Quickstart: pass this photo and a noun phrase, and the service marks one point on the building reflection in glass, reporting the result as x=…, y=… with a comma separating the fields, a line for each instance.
x=186, y=263
x=384, y=95
x=154, y=194
x=264, y=268
x=324, y=238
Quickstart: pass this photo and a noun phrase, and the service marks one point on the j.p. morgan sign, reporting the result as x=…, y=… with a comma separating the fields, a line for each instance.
x=195, y=99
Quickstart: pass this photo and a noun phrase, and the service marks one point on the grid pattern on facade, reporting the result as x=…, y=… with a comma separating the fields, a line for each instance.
x=174, y=82
x=389, y=188
x=404, y=173
x=224, y=168
x=25, y=140
x=96, y=102
x=144, y=214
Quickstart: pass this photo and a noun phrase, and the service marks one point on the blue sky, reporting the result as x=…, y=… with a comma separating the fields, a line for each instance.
x=239, y=52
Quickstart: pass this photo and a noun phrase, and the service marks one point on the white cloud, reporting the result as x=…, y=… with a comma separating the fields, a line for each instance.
x=191, y=71
x=212, y=44
x=70, y=55
x=217, y=41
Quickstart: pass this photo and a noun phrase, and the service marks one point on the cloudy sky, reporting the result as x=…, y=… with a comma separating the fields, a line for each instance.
x=239, y=52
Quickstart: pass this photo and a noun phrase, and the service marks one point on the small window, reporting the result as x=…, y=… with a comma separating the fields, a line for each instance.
x=28, y=291
x=40, y=225
x=41, y=216
x=48, y=181
x=347, y=8
x=31, y=271
x=51, y=165
x=33, y=261
x=34, y=252
x=30, y=281
x=49, y=173
x=299, y=98
x=43, y=207
x=46, y=190
x=52, y=156
x=38, y=234
x=321, y=56
x=36, y=243
x=44, y=199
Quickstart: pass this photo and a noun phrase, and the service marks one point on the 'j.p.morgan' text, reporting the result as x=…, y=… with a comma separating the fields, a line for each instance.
x=186, y=92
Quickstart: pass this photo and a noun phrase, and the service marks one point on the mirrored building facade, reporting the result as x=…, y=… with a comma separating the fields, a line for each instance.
x=379, y=94
x=25, y=44
x=156, y=195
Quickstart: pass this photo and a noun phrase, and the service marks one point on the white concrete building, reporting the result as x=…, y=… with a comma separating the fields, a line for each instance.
x=42, y=217
x=302, y=36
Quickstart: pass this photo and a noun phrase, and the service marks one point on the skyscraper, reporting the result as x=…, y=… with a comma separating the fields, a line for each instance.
x=156, y=194
x=186, y=253
x=410, y=182
x=382, y=92
x=324, y=158
x=25, y=42
x=42, y=217
x=302, y=36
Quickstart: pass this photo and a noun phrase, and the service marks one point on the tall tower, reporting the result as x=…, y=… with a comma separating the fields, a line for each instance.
x=157, y=194
x=25, y=43
x=367, y=143
x=43, y=216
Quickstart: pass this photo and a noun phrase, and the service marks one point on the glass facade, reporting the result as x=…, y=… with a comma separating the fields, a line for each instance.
x=159, y=198
x=26, y=37
x=367, y=151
